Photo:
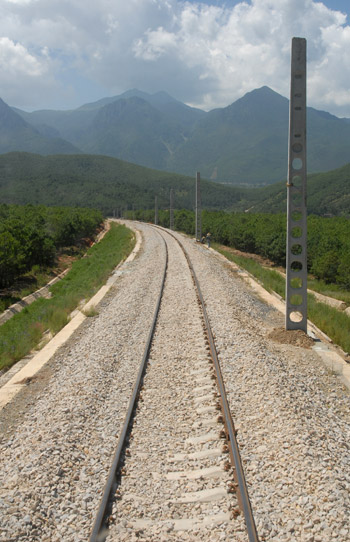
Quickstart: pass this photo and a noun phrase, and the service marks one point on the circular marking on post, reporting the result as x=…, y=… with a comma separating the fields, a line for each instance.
x=297, y=147
x=296, y=249
x=296, y=282
x=296, y=266
x=297, y=164
x=296, y=216
x=297, y=181
x=295, y=317
x=296, y=232
x=297, y=199
x=296, y=300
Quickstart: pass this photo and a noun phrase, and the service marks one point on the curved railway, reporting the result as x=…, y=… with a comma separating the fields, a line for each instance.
x=215, y=478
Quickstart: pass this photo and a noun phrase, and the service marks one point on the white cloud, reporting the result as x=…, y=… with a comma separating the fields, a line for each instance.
x=203, y=54
x=16, y=61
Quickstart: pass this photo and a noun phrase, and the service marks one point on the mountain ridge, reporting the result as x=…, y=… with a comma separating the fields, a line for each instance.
x=244, y=143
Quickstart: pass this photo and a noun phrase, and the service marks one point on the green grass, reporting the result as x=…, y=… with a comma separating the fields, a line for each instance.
x=24, y=331
x=31, y=281
x=334, y=323
x=330, y=290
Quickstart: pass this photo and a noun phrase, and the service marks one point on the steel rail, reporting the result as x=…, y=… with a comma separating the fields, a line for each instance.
x=100, y=531
x=242, y=490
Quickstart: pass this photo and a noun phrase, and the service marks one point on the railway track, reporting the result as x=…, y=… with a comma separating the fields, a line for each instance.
x=176, y=473
x=59, y=437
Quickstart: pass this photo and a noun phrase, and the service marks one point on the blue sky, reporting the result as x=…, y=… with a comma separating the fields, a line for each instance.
x=60, y=54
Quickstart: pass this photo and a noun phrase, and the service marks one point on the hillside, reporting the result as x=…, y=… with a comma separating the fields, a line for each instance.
x=108, y=183
x=104, y=183
x=244, y=143
x=18, y=135
x=328, y=194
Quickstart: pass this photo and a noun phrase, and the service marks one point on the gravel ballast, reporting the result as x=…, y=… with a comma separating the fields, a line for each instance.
x=292, y=414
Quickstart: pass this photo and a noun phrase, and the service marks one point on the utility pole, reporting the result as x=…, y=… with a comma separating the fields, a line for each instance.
x=296, y=260
x=171, y=225
x=198, y=208
x=156, y=210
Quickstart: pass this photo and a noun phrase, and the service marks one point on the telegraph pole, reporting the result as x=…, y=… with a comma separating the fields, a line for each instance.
x=296, y=260
x=198, y=208
x=171, y=225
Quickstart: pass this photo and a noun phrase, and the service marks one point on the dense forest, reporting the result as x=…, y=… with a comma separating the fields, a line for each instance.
x=32, y=235
x=102, y=183
x=265, y=234
x=110, y=185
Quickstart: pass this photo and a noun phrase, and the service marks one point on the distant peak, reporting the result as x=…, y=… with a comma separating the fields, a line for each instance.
x=265, y=90
x=260, y=95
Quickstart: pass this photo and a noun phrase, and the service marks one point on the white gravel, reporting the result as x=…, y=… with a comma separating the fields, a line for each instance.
x=292, y=415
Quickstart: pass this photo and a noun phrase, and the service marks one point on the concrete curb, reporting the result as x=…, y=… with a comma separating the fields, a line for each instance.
x=29, y=299
x=21, y=378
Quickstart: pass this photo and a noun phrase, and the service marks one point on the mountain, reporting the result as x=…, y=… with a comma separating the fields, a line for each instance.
x=84, y=127
x=247, y=142
x=102, y=182
x=173, y=110
x=134, y=130
x=243, y=144
x=17, y=134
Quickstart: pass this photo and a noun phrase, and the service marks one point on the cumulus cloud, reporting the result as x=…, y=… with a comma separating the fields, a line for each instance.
x=206, y=55
x=17, y=60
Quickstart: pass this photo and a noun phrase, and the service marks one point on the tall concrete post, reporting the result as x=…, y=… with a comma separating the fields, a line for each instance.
x=198, y=207
x=171, y=225
x=156, y=210
x=296, y=260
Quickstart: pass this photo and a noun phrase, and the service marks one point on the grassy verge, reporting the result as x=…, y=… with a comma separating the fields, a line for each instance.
x=330, y=290
x=334, y=323
x=24, y=331
x=272, y=280
x=38, y=277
